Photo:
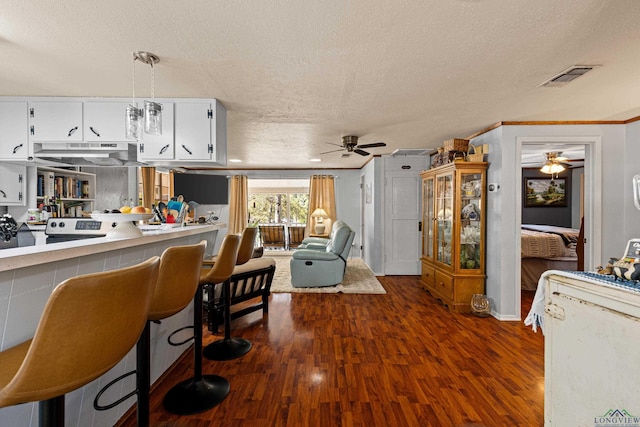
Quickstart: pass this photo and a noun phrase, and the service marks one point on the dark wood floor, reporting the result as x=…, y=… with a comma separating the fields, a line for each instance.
x=400, y=359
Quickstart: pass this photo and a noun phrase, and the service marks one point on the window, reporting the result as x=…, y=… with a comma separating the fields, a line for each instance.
x=278, y=201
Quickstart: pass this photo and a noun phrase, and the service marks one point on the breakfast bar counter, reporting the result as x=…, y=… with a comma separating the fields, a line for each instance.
x=28, y=275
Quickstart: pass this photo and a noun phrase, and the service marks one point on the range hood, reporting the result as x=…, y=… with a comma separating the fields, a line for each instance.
x=87, y=153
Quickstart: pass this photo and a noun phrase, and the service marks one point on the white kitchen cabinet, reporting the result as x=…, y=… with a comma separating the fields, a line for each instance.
x=158, y=147
x=105, y=121
x=592, y=341
x=13, y=185
x=55, y=121
x=14, y=131
x=200, y=130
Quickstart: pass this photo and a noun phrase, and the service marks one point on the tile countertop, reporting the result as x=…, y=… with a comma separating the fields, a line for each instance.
x=27, y=256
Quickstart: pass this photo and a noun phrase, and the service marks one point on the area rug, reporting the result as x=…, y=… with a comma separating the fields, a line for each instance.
x=358, y=279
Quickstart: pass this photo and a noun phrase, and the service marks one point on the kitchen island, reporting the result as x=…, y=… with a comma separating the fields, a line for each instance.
x=29, y=274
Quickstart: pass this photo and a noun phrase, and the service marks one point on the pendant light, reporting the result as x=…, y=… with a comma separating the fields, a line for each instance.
x=152, y=111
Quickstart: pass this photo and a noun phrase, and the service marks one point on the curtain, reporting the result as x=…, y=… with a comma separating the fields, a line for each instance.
x=148, y=186
x=238, y=204
x=322, y=194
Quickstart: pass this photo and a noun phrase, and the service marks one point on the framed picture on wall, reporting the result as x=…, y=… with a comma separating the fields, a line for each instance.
x=545, y=192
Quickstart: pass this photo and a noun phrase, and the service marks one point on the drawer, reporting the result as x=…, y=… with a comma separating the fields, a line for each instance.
x=444, y=285
x=428, y=275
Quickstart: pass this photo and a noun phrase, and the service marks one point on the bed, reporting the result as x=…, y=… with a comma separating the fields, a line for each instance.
x=546, y=247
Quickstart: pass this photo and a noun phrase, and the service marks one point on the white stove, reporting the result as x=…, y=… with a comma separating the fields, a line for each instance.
x=68, y=229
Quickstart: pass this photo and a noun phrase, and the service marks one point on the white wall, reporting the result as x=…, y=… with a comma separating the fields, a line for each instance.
x=620, y=219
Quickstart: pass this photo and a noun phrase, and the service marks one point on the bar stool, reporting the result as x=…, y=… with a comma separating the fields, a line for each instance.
x=90, y=322
x=202, y=392
x=178, y=280
x=230, y=348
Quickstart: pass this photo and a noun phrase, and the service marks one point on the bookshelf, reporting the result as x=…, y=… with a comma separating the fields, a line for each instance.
x=75, y=189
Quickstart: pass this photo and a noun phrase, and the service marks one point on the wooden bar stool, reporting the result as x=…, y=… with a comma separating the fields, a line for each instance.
x=177, y=283
x=229, y=348
x=202, y=392
x=90, y=323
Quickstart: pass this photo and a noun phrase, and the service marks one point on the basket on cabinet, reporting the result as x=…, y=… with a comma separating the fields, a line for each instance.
x=456, y=144
x=474, y=154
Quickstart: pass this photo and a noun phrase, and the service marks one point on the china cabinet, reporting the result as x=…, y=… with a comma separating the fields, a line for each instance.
x=453, y=232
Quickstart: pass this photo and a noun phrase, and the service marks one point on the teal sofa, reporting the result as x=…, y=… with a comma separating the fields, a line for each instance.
x=315, y=265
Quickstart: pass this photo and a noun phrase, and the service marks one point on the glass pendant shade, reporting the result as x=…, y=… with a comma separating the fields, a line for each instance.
x=133, y=122
x=152, y=118
x=551, y=168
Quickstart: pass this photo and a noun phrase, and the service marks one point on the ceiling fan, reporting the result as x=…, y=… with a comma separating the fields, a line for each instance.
x=553, y=162
x=350, y=144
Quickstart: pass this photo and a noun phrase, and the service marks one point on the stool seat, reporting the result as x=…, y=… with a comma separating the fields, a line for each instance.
x=203, y=392
x=90, y=322
x=230, y=347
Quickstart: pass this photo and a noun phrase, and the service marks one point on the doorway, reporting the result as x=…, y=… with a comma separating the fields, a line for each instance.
x=591, y=190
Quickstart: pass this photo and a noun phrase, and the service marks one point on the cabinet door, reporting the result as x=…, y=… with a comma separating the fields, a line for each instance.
x=444, y=217
x=193, y=131
x=471, y=226
x=105, y=121
x=12, y=185
x=55, y=121
x=428, y=218
x=14, y=139
x=159, y=147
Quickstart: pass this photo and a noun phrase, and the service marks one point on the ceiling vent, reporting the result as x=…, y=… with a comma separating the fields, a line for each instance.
x=412, y=152
x=568, y=75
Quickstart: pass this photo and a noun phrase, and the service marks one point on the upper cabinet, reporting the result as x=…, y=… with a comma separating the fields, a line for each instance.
x=14, y=139
x=200, y=131
x=55, y=121
x=105, y=121
x=159, y=147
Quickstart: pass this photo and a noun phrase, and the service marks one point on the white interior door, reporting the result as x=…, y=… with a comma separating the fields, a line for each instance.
x=402, y=216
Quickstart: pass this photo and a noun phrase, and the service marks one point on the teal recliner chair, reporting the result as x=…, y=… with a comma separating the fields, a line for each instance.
x=324, y=265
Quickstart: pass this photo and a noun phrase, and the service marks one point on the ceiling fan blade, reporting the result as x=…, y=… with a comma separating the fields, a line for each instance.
x=332, y=151
x=372, y=145
x=361, y=152
x=337, y=145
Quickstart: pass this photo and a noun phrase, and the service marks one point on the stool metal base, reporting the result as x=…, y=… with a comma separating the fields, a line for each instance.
x=196, y=395
x=227, y=349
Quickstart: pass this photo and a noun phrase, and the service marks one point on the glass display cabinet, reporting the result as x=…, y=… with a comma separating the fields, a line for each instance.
x=453, y=232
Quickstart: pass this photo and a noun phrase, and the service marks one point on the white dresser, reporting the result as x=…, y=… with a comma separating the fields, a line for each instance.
x=592, y=350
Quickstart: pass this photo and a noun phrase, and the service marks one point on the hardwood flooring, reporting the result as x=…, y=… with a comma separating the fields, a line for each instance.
x=400, y=359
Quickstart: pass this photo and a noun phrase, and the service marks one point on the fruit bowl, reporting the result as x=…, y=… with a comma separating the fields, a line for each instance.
x=125, y=227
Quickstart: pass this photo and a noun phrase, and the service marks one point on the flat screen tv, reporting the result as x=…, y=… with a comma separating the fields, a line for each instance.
x=204, y=189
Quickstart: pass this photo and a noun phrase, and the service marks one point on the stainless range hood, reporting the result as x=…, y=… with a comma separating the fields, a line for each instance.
x=87, y=153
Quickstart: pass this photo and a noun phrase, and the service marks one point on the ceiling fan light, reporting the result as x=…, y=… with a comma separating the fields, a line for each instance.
x=552, y=168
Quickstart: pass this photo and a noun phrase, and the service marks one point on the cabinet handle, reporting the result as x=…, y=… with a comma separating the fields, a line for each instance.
x=94, y=131
x=163, y=149
x=72, y=131
x=16, y=148
x=3, y=194
x=187, y=150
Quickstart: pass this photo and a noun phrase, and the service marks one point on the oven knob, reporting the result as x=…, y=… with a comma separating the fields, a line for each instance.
x=61, y=224
x=53, y=224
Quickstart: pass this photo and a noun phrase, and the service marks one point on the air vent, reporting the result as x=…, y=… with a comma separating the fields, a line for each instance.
x=568, y=75
x=412, y=152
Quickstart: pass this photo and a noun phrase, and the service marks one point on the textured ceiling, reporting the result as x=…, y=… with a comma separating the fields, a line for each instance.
x=295, y=75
